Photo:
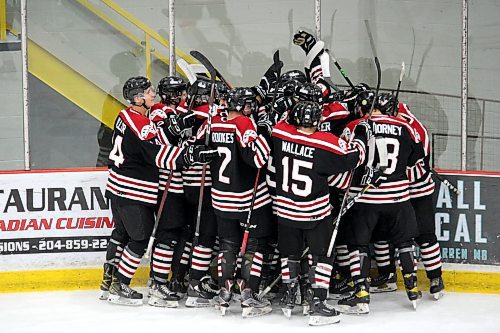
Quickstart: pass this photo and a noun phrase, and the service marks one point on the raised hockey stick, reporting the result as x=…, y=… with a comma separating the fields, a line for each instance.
x=445, y=182
x=341, y=70
x=213, y=73
x=276, y=60
x=399, y=87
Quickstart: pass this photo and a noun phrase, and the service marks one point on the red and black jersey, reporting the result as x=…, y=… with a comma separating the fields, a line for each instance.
x=241, y=153
x=136, y=156
x=420, y=177
x=304, y=162
x=159, y=113
x=334, y=118
x=403, y=149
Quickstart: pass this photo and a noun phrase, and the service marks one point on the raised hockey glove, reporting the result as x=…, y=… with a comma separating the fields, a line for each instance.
x=186, y=120
x=304, y=39
x=199, y=154
x=266, y=123
x=373, y=177
x=283, y=104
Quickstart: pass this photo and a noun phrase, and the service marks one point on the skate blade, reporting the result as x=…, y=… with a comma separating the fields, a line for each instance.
x=104, y=295
x=414, y=304
x=196, y=302
x=116, y=299
x=161, y=303
x=287, y=312
x=437, y=295
x=336, y=297
x=251, y=312
x=321, y=320
x=386, y=288
x=362, y=308
x=305, y=310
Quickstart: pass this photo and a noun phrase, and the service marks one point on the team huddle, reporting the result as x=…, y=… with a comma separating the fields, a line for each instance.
x=281, y=186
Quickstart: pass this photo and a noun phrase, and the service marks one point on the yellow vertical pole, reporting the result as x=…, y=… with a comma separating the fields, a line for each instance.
x=3, y=20
x=148, y=56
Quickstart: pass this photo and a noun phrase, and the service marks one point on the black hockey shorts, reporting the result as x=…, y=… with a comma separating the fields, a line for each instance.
x=134, y=220
x=424, y=213
x=395, y=223
x=208, y=222
x=175, y=211
x=261, y=225
x=292, y=241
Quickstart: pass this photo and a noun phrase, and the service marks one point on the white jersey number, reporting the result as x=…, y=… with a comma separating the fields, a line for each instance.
x=116, y=154
x=296, y=177
x=388, y=151
x=227, y=157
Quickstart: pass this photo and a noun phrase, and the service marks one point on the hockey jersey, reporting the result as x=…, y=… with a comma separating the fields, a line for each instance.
x=420, y=176
x=159, y=113
x=396, y=147
x=241, y=153
x=136, y=156
x=303, y=163
x=334, y=117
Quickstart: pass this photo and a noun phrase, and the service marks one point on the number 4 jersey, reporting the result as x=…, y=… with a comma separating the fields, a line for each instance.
x=303, y=163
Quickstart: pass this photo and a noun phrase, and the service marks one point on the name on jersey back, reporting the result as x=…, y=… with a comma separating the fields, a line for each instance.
x=296, y=149
x=387, y=129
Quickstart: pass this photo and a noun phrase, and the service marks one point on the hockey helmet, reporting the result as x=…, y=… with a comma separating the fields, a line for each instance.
x=135, y=87
x=293, y=75
x=386, y=103
x=309, y=92
x=170, y=89
x=200, y=91
x=240, y=97
x=288, y=87
x=221, y=90
x=352, y=94
x=306, y=114
x=364, y=102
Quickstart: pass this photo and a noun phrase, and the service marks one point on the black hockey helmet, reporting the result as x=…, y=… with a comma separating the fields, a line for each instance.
x=306, y=114
x=293, y=75
x=387, y=104
x=221, y=90
x=352, y=94
x=200, y=91
x=135, y=87
x=364, y=102
x=309, y=92
x=288, y=88
x=240, y=97
x=170, y=89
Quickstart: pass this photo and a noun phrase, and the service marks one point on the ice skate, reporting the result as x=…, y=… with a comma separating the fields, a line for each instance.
x=437, y=287
x=221, y=301
x=162, y=296
x=322, y=313
x=358, y=302
x=384, y=283
x=178, y=287
x=252, y=305
x=107, y=278
x=200, y=293
x=341, y=289
x=288, y=300
x=410, y=281
x=120, y=293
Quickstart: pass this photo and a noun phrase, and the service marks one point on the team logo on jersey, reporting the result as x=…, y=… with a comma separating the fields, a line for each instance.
x=342, y=144
x=346, y=133
x=158, y=114
x=146, y=131
x=248, y=135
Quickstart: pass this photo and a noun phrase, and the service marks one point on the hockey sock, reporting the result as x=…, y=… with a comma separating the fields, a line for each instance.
x=114, y=252
x=162, y=261
x=407, y=259
x=200, y=262
x=255, y=270
x=180, y=263
x=359, y=264
x=227, y=261
x=128, y=265
x=343, y=260
x=290, y=268
x=431, y=258
x=321, y=273
x=384, y=258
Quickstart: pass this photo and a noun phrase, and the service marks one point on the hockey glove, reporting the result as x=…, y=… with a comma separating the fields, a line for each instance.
x=363, y=130
x=266, y=123
x=186, y=120
x=199, y=154
x=304, y=39
x=282, y=104
x=373, y=177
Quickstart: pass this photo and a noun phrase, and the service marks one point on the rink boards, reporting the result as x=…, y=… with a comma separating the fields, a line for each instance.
x=54, y=227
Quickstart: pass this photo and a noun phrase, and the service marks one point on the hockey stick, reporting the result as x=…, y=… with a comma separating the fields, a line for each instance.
x=276, y=59
x=158, y=214
x=341, y=70
x=399, y=87
x=445, y=182
x=267, y=289
x=208, y=65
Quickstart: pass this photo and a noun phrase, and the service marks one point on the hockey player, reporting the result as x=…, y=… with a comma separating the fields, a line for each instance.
x=385, y=208
x=421, y=197
x=132, y=186
x=304, y=159
x=173, y=234
x=242, y=153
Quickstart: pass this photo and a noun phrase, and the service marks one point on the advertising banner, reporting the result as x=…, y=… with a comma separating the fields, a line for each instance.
x=53, y=219
x=468, y=224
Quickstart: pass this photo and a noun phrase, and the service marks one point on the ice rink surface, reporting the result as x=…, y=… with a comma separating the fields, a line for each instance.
x=81, y=311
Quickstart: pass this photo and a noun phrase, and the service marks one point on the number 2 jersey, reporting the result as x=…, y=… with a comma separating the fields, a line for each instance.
x=136, y=157
x=396, y=147
x=303, y=163
x=241, y=153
